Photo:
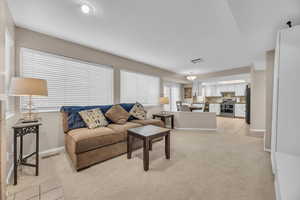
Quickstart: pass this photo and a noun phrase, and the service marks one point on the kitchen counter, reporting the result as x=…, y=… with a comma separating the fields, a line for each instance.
x=220, y=103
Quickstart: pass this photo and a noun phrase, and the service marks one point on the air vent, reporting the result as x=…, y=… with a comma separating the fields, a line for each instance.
x=197, y=60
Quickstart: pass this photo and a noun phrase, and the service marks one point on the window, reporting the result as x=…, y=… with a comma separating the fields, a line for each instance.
x=139, y=87
x=8, y=74
x=70, y=82
x=172, y=90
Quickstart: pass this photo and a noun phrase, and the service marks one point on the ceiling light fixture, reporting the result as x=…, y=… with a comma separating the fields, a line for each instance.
x=85, y=8
x=191, y=77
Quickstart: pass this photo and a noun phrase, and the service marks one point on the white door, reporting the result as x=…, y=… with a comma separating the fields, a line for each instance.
x=173, y=93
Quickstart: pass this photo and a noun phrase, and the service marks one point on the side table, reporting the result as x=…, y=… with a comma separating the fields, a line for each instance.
x=20, y=130
x=163, y=118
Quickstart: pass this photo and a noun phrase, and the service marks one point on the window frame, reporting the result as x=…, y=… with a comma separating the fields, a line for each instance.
x=9, y=72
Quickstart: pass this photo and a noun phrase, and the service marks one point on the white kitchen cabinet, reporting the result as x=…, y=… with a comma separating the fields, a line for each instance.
x=212, y=91
x=216, y=90
x=240, y=89
x=214, y=107
x=207, y=91
x=240, y=110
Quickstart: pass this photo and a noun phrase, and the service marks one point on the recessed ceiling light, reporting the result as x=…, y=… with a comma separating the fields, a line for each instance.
x=85, y=9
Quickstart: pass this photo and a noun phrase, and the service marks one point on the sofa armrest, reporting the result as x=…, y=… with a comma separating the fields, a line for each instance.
x=64, y=116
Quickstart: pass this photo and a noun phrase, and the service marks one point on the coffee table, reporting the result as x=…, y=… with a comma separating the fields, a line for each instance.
x=147, y=134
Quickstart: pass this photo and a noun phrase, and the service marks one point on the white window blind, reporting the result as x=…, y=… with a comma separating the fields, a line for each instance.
x=139, y=87
x=70, y=82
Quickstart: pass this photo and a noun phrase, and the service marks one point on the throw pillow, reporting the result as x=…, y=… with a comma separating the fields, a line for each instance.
x=138, y=111
x=117, y=114
x=93, y=118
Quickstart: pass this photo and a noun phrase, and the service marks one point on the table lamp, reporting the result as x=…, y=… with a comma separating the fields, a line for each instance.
x=28, y=87
x=164, y=101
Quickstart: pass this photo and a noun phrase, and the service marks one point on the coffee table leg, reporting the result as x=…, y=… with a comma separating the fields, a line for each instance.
x=167, y=146
x=146, y=154
x=150, y=145
x=129, y=146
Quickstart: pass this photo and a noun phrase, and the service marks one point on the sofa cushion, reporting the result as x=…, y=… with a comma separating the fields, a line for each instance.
x=118, y=128
x=74, y=120
x=138, y=111
x=84, y=139
x=117, y=114
x=155, y=122
x=93, y=118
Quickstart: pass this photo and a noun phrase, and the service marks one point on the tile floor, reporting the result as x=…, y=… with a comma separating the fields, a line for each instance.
x=48, y=190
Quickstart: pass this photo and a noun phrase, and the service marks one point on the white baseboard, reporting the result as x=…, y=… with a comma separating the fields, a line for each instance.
x=197, y=129
x=41, y=154
x=267, y=150
x=51, y=151
x=10, y=172
x=257, y=130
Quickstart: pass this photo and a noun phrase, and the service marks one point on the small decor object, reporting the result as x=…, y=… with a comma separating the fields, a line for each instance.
x=20, y=130
x=187, y=93
x=28, y=87
x=138, y=111
x=93, y=118
x=117, y=114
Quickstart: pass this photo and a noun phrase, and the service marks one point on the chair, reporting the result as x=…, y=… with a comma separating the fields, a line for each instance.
x=185, y=108
x=178, y=105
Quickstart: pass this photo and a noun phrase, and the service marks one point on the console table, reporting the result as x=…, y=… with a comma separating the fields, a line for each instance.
x=20, y=130
x=163, y=118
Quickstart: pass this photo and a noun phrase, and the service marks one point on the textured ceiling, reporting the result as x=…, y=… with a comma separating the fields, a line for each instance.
x=168, y=33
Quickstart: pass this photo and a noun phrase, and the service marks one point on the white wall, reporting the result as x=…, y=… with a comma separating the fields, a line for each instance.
x=270, y=58
x=6, y=24
x=258, y=100
x=51, y=135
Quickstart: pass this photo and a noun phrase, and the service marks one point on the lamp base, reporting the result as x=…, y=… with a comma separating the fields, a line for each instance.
x=29, y=118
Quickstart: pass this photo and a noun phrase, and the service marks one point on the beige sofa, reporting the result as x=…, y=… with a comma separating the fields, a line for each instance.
x=90, y=146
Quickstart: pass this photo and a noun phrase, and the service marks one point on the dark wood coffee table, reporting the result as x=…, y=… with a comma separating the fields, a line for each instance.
x=147, y=134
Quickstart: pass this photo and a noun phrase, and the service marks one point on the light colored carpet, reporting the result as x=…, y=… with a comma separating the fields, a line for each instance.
x=228, y=164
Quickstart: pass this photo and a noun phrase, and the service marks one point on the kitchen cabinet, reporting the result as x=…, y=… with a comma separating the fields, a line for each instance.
x=240, y=89
x=240, y=110
x=216, y=90
x=214, y=107
x=212, y=91
x=207, y=91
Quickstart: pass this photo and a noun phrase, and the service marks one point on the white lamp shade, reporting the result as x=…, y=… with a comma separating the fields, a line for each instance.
x=28, y=86
x=164, y=100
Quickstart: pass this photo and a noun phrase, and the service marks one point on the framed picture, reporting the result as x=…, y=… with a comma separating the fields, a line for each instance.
x=187, y=93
